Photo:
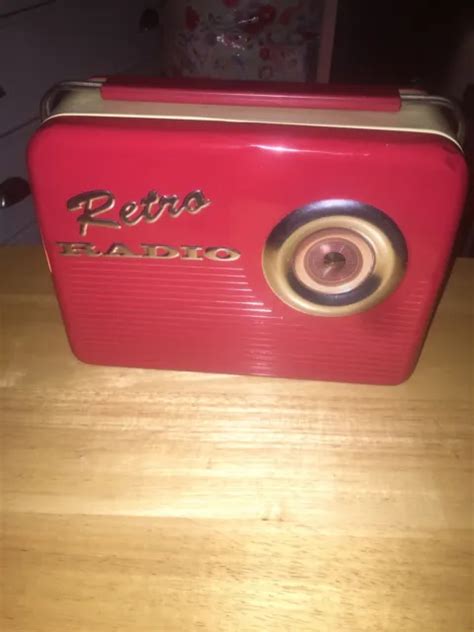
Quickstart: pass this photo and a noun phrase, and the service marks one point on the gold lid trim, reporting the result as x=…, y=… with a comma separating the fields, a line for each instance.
x=419, y=113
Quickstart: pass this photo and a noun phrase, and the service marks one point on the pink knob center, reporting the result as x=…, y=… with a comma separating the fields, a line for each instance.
x=333, y=261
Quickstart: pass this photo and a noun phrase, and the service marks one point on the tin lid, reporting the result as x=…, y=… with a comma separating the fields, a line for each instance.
x=251, y=102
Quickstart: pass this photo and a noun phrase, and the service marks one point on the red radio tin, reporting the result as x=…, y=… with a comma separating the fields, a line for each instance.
x=279, y=230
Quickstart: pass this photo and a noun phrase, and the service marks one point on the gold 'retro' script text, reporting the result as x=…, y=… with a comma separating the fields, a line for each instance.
x=150, y=208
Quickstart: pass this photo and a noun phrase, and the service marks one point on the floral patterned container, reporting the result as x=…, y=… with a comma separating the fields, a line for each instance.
x=241, y=39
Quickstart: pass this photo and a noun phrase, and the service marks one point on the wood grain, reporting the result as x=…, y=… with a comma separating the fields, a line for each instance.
x=158, y=501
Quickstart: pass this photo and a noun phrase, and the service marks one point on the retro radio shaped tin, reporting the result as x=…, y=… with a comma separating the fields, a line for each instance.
x=288, y=231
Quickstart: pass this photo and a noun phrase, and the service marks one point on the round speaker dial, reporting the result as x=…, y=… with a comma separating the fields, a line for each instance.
x=335, y=257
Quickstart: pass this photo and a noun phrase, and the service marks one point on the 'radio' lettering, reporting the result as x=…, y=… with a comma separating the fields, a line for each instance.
x=71, y=249
x=149, y=251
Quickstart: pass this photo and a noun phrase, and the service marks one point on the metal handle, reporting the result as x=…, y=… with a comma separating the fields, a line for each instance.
x=49, y=99
x=12, y=191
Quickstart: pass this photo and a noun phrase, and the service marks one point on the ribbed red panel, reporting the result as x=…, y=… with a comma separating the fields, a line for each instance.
x=177, y=315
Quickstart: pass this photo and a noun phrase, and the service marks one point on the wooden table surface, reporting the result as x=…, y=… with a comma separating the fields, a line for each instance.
x=138, y=500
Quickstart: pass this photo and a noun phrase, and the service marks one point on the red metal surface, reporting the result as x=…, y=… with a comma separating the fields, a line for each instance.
x=222, y=316
x=252, y=93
